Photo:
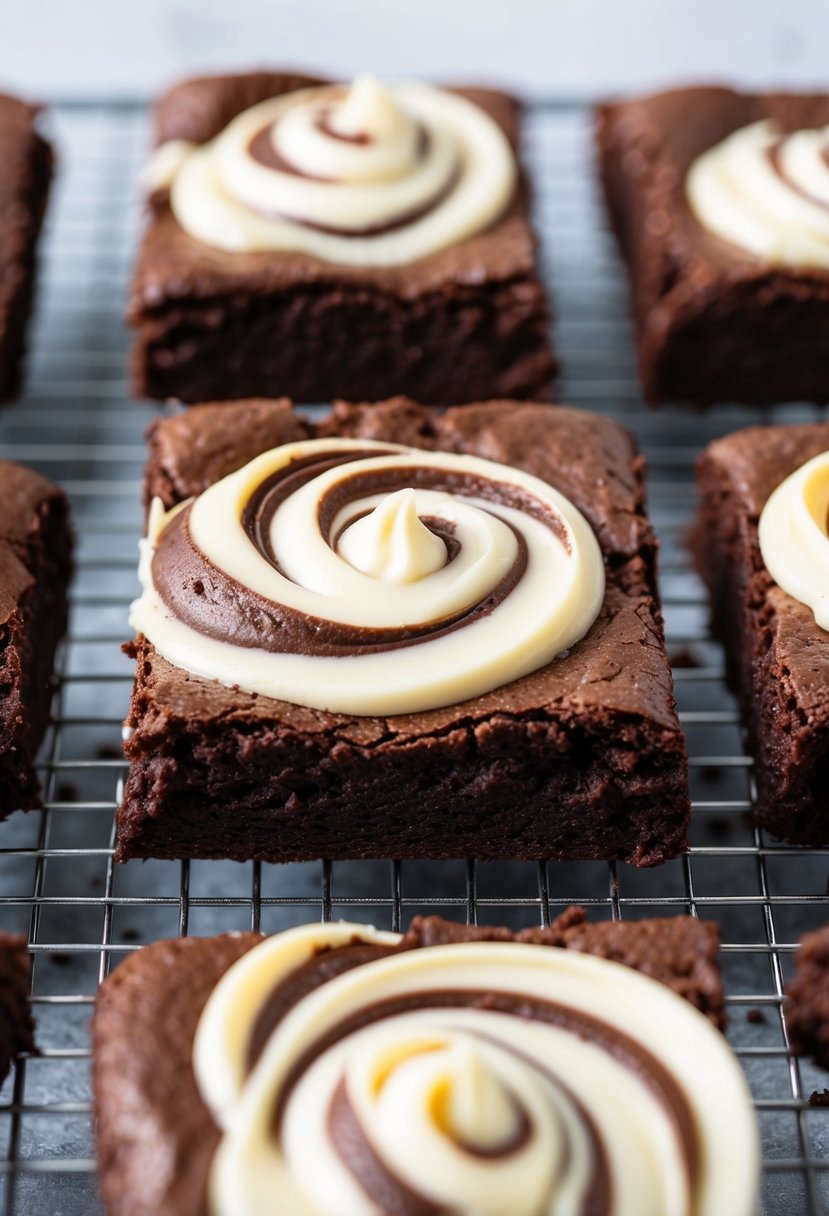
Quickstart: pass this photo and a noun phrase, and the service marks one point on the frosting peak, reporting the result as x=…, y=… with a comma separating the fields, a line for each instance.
x=470, y=1101
x=392, y=543
x=368, y=111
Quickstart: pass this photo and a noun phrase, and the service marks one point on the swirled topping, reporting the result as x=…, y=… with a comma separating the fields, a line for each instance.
x=794, y=536
x=354, y=1074
x=364, y=175
x=369, y=578
x=766, y=192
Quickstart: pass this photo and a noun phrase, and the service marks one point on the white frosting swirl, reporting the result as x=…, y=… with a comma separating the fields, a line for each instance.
x=366, y=175
x=794, y=536
x=767, y=193
x=470, y=1107
x=524, y=580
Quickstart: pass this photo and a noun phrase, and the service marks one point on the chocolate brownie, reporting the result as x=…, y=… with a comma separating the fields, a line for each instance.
x=35, y=562
x=156, y=1137
x=24, y=190
x=16, y=1024
x=777, y=656
x=467, y=322
x=582, y=758
x=714, y=323
x=807, y=998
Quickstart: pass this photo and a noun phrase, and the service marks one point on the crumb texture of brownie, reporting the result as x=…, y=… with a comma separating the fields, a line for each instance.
x=16, y=1024
x=468, y=322
x=35, y=564
x=713, y=323
x=807, y=998
x=155, y=1135
x=24, y=191
x=582, y=758
x=777, y=656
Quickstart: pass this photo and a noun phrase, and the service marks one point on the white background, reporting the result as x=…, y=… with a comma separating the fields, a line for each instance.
x=59, y=48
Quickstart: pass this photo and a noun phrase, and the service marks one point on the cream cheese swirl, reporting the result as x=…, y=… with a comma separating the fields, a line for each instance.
x=794, y=536
x=369, y=578
x=493, y=1078
x=366, y=175
x=766, y=192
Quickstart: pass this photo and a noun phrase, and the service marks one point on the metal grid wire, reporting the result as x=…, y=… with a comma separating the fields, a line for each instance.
x=77, y=424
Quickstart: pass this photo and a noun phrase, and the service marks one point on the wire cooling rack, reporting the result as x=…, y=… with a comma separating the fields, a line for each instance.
x=77, y=424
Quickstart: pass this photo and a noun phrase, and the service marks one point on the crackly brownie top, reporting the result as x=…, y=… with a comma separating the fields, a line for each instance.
x=659, y=138
x=472, y=1070
x=173, y=264
x=618, y=672
x=368, y=577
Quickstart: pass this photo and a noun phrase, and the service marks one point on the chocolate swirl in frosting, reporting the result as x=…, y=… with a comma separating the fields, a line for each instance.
x=369, y=578
x=767, y=193
x=352, y=1072
x=363, y=175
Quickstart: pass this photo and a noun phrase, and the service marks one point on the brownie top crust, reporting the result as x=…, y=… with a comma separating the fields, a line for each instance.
x=654, y=141
x=172, y=265
x=618, y=669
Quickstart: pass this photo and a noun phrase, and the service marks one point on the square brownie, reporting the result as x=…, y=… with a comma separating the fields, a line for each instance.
x=157, y=1138
x=714, y=323
x=462, y=324
x=16, y=1024
x=24, y=191
x=583, y=758
x=777, y=656
x=35, y=564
